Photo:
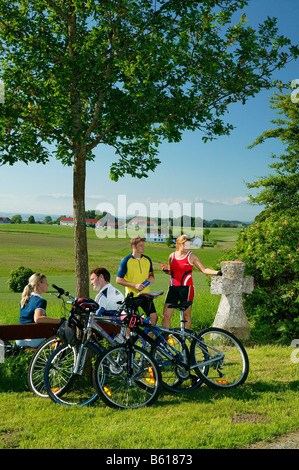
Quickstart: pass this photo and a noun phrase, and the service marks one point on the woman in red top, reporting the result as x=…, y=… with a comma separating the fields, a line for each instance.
x=180, y=267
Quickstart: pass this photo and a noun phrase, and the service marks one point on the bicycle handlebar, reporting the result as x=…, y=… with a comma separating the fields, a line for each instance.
x=62, y=292
x=59, y=289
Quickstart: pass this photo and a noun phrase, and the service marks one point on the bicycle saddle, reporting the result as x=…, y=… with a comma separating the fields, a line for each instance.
x=151, y=295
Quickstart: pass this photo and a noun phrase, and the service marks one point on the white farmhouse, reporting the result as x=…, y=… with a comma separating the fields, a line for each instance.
x=157, y=236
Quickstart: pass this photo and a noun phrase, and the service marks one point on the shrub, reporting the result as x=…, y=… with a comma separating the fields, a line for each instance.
x=270, y=251
x=18, y=279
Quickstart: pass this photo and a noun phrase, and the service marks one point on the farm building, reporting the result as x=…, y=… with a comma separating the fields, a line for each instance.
x=5, y=220
x=70, y=221
x=157, y=236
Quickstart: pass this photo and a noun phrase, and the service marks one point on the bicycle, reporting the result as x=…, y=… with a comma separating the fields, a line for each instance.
x=219, y=359
x=36, y=369
x=170, y=350
x=127, y=376
x=75, y=373
x=215, y=356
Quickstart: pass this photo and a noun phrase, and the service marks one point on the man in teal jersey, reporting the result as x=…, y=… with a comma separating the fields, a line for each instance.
x=135, y=273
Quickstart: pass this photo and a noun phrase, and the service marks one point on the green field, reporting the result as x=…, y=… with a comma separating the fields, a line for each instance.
x=264, y=407
x=50, y=249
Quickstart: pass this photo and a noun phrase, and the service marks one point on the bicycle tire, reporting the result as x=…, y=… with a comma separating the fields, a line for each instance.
x=231, y=369
x=176, y=378
x=120, y=389
x=63, y=386
x=36, y=368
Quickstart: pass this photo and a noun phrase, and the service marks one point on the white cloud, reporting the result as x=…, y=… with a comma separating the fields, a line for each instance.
x=96, y=196
x=56, y=195
x=9, y=196
x=235, y=201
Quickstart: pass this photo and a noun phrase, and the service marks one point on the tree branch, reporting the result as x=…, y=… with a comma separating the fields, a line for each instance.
x=59, y=11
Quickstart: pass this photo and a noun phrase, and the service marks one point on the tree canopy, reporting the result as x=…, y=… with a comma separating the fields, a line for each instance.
x=280, y=189
x=270, y=250
x=124, y=73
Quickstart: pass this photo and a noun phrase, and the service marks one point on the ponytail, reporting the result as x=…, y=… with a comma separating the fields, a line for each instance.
x=26, y=295
x=31, y=286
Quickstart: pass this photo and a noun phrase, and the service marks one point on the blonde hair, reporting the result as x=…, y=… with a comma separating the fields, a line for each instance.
x=181, y=240
x=31, y=287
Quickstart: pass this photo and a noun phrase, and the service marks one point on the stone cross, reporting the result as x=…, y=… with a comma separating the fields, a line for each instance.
x=231, y=285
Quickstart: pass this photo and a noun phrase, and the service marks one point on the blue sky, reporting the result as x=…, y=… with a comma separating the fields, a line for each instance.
x=191, y=171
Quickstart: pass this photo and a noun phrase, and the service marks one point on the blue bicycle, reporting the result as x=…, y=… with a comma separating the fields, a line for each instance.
x=187, y=359
x=82, y=369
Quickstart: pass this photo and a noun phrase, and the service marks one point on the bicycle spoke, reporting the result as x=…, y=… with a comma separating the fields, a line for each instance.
x=221, y=359
x=123, y=388
x=65, y=387
x=175, y=376
x=36, y=369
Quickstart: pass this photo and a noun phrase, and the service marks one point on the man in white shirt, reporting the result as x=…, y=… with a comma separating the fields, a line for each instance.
x=109, y=297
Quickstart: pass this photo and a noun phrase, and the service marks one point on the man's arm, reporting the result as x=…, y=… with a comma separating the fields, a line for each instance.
x=123, y=282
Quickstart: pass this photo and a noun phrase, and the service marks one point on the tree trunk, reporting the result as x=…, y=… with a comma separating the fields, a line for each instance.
x=80, y=238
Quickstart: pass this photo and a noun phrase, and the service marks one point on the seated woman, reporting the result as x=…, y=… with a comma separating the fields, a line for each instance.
x=33, y=307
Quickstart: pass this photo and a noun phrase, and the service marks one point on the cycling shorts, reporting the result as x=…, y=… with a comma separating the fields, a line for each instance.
x=177, y=294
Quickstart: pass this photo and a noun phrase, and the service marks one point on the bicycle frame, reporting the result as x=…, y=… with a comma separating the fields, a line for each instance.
x=182, y=357
x=162, y=345
x=171, y=352
x=92, y=325
x=183, y=333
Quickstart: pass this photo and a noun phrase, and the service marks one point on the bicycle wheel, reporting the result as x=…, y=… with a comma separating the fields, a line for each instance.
x=65, y=387
x=223, y=356
x=36, y=369
x=175, y=377
x=123, y=387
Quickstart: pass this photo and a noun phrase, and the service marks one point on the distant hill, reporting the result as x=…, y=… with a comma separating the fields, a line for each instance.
x=206, y=223
x=221, y=222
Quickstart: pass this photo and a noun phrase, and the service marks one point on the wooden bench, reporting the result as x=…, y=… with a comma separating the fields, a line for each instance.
x=27, y=330
x=40, y=330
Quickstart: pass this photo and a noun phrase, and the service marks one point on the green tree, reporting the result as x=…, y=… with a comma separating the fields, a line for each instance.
x=91, y=214
x=169, y=240
x=31, y=220
x=48, y=219
x=270, y=250
x=128, y=74
x=280, y=189
x=206, y=233
x=16, y=219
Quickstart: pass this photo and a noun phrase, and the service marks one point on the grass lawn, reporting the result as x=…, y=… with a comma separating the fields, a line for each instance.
x=264, y=407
